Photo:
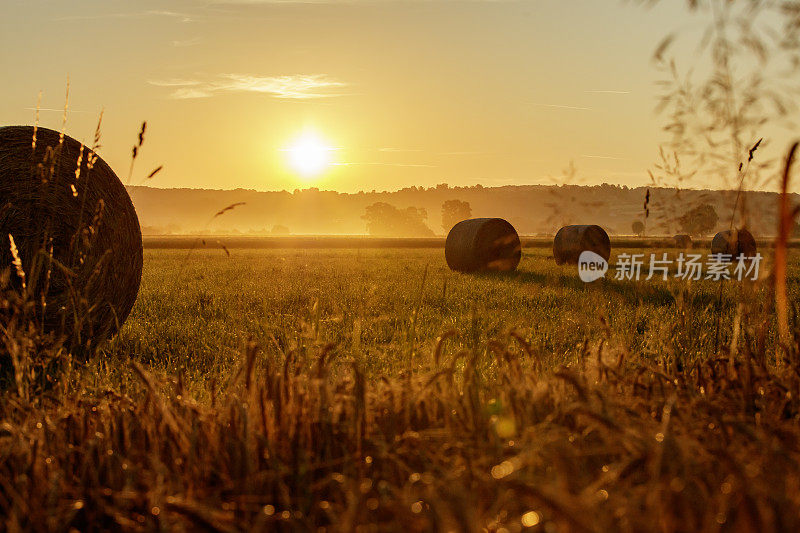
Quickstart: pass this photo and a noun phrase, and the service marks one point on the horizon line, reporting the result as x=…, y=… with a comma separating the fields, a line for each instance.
x=434, y=188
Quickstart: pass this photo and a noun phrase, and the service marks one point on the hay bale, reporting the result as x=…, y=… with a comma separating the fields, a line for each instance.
x=682, y=241
x=483, y=244
x=570, y=241
x=734, y=243
x=89, y=222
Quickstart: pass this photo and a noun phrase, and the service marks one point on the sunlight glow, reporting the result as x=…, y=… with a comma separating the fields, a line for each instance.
x=309, y=155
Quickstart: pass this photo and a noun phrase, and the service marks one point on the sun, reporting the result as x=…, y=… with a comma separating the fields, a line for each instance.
x=309, y=155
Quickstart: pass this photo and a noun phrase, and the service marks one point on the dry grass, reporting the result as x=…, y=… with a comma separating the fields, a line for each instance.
x=613, y=442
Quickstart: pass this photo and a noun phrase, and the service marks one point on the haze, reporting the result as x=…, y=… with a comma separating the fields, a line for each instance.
x=406, y=93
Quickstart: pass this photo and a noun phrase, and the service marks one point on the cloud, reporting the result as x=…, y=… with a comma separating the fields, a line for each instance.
x=257, y=2
x=183, y=17
x=175, y=82
x=558, y=106
x=55, y=110
x=188, y=93
x=385, y=165
x=301, y=87
x=605, y=157
x=187, y=42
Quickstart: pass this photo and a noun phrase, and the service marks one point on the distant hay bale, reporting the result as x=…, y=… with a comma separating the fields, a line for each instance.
x=87, y=220
x=734, y=243
x=483, y=244
x=682, y=241
x=570, y=241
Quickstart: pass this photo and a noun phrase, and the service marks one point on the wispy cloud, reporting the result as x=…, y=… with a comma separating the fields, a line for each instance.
x=399, y=150
x=174, y=82
x=256, y=2
x=608, y=92
x=55, y=110
x=186, y=42
x=605, y=157
x=183, y=17
x=290, y=87
x=385, y=165
x=559, y=106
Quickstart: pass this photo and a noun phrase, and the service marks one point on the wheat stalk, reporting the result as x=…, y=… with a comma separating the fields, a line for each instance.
x=17, y=260
x=36, y=121
x=64, y=116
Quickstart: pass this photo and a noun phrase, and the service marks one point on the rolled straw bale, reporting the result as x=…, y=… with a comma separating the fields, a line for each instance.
x=682, y=240
x=570, y=241
x=78, y=237
x=483, y=244
x=734, y=243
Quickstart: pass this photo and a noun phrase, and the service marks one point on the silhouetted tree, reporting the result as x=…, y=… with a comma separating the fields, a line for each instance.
x=637, y=227
x=699, y=220
x=453, y=212
x=387, y=220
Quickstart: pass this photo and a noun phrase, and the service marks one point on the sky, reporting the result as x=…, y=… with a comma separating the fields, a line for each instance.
x=398, y=92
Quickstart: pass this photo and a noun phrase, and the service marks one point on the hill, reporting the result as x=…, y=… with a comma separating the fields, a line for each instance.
x=532, y=209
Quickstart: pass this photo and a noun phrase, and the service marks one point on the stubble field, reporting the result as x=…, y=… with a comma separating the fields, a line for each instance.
x=373, y=389
x=386, y=308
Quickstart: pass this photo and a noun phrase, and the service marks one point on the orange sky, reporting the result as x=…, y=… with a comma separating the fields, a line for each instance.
x=405, y=92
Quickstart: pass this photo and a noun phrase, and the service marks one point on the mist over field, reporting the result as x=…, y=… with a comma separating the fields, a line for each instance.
x=532, y=209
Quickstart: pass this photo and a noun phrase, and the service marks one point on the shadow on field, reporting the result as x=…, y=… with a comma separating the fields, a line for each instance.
x=633, y=292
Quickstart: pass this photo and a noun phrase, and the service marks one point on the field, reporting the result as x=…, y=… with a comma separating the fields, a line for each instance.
x=299, y=357
x=385, y=308
x=374, y=389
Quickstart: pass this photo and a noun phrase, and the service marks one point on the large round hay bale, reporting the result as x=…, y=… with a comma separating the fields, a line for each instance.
x=682, y=240
x=88, y=222
x=734, y=243
x=483, y=244
x=570, y=241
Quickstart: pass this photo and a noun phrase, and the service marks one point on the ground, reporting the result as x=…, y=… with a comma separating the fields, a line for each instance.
x=373, y=389
x=385, y=308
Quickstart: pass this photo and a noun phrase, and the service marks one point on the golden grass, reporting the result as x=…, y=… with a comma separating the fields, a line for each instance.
x=611, y=443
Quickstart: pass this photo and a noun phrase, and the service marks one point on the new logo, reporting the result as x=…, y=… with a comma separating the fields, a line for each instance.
x=591, y=266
